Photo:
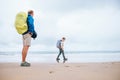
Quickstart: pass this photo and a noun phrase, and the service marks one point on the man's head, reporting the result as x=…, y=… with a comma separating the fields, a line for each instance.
x=31, y=12
x=63, y=39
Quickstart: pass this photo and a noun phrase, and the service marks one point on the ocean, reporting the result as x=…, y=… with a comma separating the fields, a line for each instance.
x=73, y=56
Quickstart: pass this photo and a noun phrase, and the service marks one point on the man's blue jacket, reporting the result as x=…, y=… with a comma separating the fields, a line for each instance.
x=30, y=23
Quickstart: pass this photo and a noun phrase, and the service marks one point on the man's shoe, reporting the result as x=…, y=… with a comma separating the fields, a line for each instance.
x=65, y=59
x=57, y=59
x=25, y=64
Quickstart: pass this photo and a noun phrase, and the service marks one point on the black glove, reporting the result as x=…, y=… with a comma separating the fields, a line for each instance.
x=34, y=35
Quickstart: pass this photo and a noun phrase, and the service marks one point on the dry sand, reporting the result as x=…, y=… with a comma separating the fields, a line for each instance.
x=60, y=71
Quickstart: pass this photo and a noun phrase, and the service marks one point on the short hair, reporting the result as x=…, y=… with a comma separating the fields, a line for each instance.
x=63, y=38
x=30, y=11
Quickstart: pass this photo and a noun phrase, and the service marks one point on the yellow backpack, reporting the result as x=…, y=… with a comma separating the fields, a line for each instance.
x=21, y=22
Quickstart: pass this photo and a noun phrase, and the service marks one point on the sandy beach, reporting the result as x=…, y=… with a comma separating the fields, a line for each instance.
x=60, y=71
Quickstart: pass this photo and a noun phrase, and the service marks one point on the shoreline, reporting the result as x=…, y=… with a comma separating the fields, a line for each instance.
x=72, y=58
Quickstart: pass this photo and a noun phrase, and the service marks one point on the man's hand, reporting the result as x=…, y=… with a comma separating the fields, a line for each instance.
x=30, y=33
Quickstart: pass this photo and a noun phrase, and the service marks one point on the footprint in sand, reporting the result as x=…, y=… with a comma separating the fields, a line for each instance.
x=67, y=66
x=78, y=66
x=51, y=72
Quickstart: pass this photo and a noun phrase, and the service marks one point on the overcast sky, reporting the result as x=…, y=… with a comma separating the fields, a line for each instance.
x=86, y=24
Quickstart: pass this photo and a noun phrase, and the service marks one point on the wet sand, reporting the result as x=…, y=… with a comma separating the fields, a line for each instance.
x=60, y=71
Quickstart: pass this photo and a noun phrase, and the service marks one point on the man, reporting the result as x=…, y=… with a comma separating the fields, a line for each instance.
x=60, y=46
x=27, y=37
